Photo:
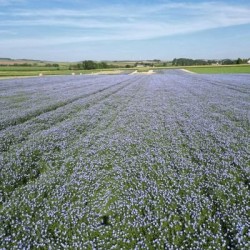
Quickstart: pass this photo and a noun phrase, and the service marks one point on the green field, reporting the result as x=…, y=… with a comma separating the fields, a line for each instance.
x=221, y=69
x=14, y=73
x=26, y=73
x=236, y=69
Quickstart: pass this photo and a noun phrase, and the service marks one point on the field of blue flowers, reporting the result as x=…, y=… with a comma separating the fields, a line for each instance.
x=125, y=162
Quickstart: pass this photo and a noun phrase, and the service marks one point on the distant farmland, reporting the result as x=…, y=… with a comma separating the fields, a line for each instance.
x=138, y=161
x=235, y=69
x=64, y=69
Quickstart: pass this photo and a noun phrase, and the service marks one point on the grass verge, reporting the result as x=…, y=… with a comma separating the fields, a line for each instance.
x=235, y=69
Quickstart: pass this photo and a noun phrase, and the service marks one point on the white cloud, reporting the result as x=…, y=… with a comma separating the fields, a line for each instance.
x=119, y=22
x=7, y=32
x=11, y=2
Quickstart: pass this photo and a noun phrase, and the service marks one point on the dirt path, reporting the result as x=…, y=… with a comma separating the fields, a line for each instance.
x=188, y=71
x=150, y=72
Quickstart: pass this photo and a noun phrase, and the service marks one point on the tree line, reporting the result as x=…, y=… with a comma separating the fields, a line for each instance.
x=31, y=65
x=193, y=62
x=88, y=65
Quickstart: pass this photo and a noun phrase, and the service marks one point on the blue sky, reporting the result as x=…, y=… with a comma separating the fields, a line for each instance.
x=76, y=30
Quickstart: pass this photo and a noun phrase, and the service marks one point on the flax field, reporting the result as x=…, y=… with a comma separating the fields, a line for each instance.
x=124, y=161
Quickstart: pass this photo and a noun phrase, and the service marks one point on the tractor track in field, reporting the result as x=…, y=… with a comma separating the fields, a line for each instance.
x=26, y=180
x=54, y=107
x=4, y=147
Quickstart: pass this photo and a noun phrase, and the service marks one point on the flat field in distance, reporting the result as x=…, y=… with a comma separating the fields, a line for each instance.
x=63, y=69
x=137, y=161
x=235, y=69
x=15, y=72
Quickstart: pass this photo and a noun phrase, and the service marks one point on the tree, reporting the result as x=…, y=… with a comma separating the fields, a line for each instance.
x=239, y=61
x=89, y=65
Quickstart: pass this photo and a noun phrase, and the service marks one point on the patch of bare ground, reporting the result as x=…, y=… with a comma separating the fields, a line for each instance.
x=187, y=71
x=150, y=72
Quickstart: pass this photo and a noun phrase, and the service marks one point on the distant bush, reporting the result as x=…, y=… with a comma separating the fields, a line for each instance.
x=188, y=62
x=88, y=65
